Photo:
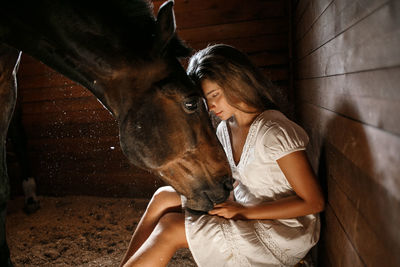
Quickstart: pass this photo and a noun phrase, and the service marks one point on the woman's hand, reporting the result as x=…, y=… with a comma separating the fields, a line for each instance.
x=229, y=210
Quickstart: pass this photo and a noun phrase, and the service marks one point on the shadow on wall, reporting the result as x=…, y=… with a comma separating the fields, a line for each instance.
x=345, y=162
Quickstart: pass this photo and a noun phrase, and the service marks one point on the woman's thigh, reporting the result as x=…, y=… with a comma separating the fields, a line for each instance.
x=165, y=199
x=171, y=229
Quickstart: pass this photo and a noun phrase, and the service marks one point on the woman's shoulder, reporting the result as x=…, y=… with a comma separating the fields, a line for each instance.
x=273, y=119
x=278, y=134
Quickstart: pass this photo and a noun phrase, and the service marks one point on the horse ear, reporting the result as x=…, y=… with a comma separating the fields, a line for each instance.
x=165, y=27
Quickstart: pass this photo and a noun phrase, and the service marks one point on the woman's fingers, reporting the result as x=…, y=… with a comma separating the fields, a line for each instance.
x=217, y=211
x=223, y=204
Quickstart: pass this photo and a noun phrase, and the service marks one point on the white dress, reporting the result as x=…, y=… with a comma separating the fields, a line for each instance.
x=216, y=241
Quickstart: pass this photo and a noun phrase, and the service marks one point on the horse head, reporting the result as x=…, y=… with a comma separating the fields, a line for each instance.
x=129, y=60
x=166, y=128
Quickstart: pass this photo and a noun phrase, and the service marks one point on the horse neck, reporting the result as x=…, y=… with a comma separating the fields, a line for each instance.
x=86, y=46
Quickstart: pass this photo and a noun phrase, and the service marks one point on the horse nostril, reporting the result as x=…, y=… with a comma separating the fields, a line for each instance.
x=228, y=183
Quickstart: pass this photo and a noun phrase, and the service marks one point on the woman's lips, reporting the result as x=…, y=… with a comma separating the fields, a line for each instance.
x=218, y=113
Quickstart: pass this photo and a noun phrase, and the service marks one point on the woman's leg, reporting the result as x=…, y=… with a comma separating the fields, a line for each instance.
x=164, y=200
x=167, y=237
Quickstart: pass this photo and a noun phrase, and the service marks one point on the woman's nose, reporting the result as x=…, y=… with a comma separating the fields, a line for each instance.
x=211, y=106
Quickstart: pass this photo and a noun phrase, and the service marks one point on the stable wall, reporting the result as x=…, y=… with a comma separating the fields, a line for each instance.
x=73, y=145
x=347, y=84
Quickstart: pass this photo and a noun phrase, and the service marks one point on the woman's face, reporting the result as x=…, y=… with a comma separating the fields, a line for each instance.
x=216, y=100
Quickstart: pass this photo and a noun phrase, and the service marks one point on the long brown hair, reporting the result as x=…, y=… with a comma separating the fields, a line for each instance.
x=235, y=74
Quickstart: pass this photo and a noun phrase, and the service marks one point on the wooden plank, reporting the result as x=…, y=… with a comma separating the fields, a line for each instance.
x=60, y=119
x=107, y=165
x=235, y=30
x=193, y=14
x=27, y=59
x=271, y=42
x=338, y=17
x=201, y=5
x=355, y=159
x=301, y=7
x=111, y=162
x=276, y=74
x=55, y=93
x=63, y=106
x=370, y=44
x=371, y=247
x=335, y=243
x=100, y=153
x=379, y=211
x=32, y=67
x=361, y=140
x=374, y=96
x=73, y=144
x=90, y=128
x=311, y=14
x=45, y=80
x=265, y=59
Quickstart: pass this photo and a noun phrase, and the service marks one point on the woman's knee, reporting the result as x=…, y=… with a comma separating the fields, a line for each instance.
x=171, y=228
x=166, y=196
x=164, y=199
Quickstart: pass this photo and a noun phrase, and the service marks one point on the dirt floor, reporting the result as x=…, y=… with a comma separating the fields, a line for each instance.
x=76, y=231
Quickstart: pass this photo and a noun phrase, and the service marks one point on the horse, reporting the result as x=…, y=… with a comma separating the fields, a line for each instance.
x=129, y=59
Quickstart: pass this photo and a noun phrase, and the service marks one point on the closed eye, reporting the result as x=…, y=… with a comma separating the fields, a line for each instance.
x=215, y=94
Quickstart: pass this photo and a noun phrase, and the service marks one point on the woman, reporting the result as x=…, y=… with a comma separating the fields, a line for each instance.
x=272, y=217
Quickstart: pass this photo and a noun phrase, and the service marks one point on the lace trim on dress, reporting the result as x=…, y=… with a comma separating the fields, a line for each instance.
x=228, y=147
x=268, y=242
x=237, y=258
x=247, y=144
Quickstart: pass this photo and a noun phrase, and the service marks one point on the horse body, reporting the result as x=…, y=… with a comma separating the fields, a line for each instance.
x=128, y=60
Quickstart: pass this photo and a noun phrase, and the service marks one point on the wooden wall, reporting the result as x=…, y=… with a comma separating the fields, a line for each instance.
x=347, y=84
x=73, y=144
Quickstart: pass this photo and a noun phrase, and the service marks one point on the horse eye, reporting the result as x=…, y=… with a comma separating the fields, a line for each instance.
x=191, y=104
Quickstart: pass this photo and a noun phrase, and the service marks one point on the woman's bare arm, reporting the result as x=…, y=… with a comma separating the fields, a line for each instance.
x=308, y=199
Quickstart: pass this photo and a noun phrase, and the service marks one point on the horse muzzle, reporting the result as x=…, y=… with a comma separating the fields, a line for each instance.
x=204, y=198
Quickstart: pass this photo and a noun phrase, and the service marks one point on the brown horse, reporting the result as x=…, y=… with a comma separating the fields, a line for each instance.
x=128, y=59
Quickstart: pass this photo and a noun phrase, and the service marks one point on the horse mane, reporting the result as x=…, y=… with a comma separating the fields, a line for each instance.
x=124, y=28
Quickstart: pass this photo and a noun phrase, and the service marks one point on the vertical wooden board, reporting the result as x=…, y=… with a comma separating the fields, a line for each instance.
x=312, y=13
x=374, y=96
x=371, y=44
x=339, y=250
x=338, y=17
